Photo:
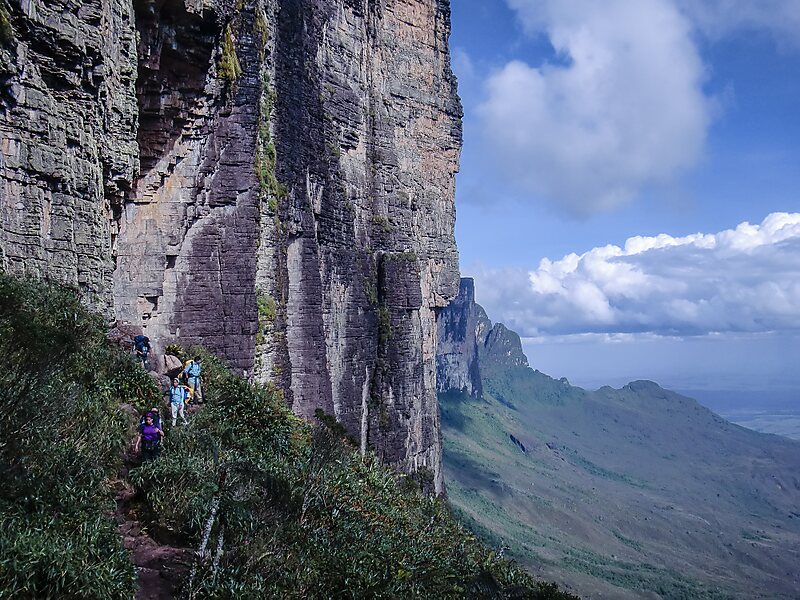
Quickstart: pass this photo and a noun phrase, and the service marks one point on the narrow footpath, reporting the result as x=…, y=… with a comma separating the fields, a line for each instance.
x=161, y=563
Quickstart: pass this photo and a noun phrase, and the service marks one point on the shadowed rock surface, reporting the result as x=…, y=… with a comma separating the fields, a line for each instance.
x=460, y=331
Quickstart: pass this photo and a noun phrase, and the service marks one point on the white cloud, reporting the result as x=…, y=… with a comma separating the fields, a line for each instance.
x=622, y=109
x=462, y=63
x=720, y=18
x=745, y=279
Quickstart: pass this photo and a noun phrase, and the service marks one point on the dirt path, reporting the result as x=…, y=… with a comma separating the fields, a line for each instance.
x=160, y=567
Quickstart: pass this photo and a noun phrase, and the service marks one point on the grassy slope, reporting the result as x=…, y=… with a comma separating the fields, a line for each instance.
x=299, y=514
x=61, y=442
x=621, y=492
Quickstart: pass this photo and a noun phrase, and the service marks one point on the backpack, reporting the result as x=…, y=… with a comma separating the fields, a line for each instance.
x=193, y=369
x=141, y=342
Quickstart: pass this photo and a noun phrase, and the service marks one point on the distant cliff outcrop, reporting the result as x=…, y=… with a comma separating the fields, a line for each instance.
x=272, y=179
x=468, y=343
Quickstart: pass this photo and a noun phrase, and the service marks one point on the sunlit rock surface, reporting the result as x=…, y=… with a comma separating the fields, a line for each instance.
x=273, y=179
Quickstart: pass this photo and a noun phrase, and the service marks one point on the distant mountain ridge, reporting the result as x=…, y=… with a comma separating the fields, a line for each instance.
x=636, y=492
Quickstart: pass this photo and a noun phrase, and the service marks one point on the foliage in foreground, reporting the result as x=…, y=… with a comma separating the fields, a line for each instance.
x=62, y=438
x=290, y=511
x=282, y=509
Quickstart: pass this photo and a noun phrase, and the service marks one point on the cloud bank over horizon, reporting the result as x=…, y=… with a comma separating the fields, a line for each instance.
x=738, y=281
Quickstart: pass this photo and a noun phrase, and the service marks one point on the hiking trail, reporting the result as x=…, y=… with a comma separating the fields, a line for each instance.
x=161, y=559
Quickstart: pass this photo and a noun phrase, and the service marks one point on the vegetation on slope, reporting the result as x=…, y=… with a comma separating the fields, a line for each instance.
x=298, y=514
x=281, y=508
x=622, y=492
x=63, y=434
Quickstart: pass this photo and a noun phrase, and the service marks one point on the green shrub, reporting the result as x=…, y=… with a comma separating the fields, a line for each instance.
x=176, y=350
x=62, y=556
x=6, y=31
x=228, y=66
x=301, y=515
x=61, y=442
x=285, y=510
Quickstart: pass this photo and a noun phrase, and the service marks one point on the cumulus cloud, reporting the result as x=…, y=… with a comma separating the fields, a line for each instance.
x=621, y=108
x=745, y=279
x=462, y=63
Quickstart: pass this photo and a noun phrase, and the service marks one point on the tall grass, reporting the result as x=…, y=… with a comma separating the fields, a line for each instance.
x=298, y=514
x=62, y=437
x=282, y=509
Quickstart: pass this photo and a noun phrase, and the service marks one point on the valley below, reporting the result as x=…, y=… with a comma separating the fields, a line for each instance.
x=774, y=411
x=636, y=492
x=785, y=422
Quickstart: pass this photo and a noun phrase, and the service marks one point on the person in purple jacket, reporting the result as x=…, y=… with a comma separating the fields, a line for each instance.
x=149, y=439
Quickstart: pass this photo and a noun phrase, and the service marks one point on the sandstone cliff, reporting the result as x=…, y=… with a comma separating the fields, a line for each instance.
x=272, y=179
x=469, y=344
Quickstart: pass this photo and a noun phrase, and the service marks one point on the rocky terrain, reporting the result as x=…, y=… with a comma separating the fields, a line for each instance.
x=272, y=179
x=636, y=492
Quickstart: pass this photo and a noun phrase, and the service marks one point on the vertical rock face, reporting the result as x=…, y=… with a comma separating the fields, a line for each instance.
x=469, y=344
x=370, y=255
x=459, y=327
x=186, y=253
x=68, y=151
x=273, y=179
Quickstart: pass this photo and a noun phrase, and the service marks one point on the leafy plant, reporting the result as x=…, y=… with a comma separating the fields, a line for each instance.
x=62, y=440
x=277, y=507
x=176, y=350
x=6, y=31
x=284, y=509
x=228, y=66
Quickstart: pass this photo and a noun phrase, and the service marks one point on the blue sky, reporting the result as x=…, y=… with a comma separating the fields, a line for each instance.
x=628, y=197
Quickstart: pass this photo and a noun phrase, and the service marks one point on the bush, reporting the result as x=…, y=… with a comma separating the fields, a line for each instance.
x=287, y=510
x=280, y=508
x=62, y=556
x=62, y=440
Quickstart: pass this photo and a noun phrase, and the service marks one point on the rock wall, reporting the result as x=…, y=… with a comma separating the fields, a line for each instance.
x=368, y=216
x=68, y=152
x=186, y=253
x=469, y=345
x=273, y=179
x=461, y=328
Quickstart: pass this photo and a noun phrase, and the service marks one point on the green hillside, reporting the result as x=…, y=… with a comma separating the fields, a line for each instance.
x=283, y=509
x=628, y=493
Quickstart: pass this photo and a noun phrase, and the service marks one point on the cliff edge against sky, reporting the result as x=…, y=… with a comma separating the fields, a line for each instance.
x=273, y=179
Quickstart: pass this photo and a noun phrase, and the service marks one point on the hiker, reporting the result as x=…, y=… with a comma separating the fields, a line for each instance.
x=141, y=343
x=156, y=417
x=192, y=373
x=149, y=439
x=177, y=398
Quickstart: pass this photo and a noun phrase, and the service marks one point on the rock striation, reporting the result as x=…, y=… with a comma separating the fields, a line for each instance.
x=68, y=152
x=468, y=344
x=273, y=179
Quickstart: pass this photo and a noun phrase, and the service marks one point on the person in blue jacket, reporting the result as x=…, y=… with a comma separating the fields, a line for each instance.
x=192, y=372
x=177, y=400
